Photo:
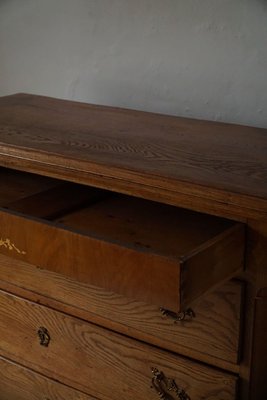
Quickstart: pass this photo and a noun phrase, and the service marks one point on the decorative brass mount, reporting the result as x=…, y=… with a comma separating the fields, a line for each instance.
x=10, y=246
x=163, y=386
x=188, y=314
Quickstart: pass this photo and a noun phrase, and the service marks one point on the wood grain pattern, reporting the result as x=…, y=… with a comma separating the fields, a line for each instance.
x=104, y=364
x=258, y=387
x=16, y=185
x=55, y=202
x=218, y=312
x=215, y=168
x=19, y=383
x=256, y=279
x=140, y=274
x=176, y=259
x=138, y=223
x=143, y=154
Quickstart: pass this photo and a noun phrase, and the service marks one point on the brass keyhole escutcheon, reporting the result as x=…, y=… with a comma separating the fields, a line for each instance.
x=44, y=336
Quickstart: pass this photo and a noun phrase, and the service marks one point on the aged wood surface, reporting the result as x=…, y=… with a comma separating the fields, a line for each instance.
x=209, y=251
x=258, y=387
x=138, y=223
x=154, y=156
x=97, y=361
x=16, y=185
x=139, y=274
x=218, y=312
x=255, y=277
x=215, y=168
x=19, y=383
x=55, y=202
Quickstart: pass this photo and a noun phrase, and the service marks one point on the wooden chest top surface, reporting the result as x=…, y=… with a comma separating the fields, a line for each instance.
x=137, y=152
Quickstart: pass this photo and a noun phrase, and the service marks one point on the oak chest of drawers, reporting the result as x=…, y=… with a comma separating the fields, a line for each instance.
x=132, y=254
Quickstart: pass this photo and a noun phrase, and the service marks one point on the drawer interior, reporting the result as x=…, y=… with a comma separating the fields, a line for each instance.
x=129, y=221
x=16, y=185
x=152, y=252
x=147, y=225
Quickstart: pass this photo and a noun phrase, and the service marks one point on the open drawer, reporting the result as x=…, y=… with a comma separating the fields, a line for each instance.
x=144, y=250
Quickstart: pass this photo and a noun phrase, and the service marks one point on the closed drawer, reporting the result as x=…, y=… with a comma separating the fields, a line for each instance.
x=97, y=361
x=19, y=383
x=146, y=251
x=212, y=335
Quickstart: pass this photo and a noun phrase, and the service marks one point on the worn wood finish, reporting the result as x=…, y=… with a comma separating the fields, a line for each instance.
x=144, y=154
x=118, y=255
x=55, y=202
x=19, y=383
x=138, y=223
x=187, y=197
x=110, y=366
x=16, y=185
x=218, y=312
x=215, y=168
x=259, y=373
x=256, y=279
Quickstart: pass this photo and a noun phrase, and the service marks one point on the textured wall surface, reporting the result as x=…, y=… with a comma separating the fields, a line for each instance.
x=196, y=58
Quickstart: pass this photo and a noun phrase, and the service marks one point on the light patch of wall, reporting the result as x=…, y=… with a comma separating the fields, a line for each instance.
x=196, y=58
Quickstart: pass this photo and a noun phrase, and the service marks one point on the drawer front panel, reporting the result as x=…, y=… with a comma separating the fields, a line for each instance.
x=97, y=361
x=163, y=280
x=211, y=336
x=90, y=260
x=19, y=383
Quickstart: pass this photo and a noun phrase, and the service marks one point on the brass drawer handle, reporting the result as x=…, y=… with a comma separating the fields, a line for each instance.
x=163, y=386
x=44, y=336
x=186, y=315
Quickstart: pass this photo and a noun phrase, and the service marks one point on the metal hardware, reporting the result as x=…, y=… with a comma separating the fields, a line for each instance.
x=178, y=317
x=158, y=377
x=163, y=385
x=43, y=336
x=10, y=246
x=180, y=393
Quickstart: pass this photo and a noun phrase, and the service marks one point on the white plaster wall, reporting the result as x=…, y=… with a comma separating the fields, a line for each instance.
x=198, y=58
